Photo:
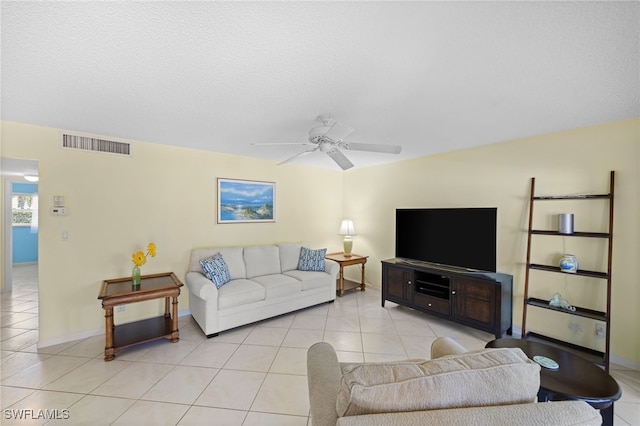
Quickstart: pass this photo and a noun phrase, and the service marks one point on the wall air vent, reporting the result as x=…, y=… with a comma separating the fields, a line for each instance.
x=88, y=143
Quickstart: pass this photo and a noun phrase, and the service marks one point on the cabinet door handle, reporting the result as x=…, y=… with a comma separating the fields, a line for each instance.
x=409, y=282
x=429, y=304
x=453, y=292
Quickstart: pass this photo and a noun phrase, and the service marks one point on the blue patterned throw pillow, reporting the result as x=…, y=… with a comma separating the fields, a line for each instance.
x=215, y=268
x=312, y=260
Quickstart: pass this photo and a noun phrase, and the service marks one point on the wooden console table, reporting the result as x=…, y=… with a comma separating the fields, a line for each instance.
x=121, y=291
x=354, y=259
x=476, y=299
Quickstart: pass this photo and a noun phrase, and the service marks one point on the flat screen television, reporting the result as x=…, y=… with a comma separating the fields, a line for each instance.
x=459, y=237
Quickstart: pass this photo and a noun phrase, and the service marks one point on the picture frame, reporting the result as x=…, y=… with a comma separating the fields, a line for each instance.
x=246, y=201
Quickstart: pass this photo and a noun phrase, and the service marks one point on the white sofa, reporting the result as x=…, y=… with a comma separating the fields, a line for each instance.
x=265, y=282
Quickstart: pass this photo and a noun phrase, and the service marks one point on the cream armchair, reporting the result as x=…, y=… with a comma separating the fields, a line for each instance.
x=455, y=387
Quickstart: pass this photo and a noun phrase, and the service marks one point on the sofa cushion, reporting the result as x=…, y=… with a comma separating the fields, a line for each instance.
x=231, y=255
x=216, y=270
x=235, y=261
x=278, y=285
x=312, y=260
x=289, y=256
x=310, y=279
x=262, y=260
x=486, y=377
x=239, y=292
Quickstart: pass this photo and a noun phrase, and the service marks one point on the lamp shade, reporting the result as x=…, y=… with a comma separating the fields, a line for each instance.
x=347, y=228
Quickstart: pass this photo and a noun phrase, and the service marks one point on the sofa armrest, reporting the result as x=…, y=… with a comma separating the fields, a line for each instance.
x=444, y=346
x=323, y=376
x=332, y=268
x=201, y=286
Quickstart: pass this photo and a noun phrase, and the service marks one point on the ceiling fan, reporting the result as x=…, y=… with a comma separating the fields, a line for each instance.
x=329, y=138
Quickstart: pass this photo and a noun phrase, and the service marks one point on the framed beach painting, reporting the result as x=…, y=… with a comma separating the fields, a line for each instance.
x=242, y=201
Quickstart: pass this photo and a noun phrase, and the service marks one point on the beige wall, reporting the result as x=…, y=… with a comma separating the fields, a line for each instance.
x=569, y=162
x=162, y=194
x=167, y=195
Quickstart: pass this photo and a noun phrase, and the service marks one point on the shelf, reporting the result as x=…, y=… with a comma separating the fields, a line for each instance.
x=574, y=197
x=575, y=234
x=580, y=312
x=605, y=316
x=431, y=284
x=581, y=272
x=435, y=292
x=589, y=354
x=141, y=331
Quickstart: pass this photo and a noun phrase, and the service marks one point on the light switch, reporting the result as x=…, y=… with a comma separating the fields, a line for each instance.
x=58, y=211
x=65, y=235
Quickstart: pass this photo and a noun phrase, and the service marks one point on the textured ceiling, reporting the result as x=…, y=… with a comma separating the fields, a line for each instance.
x=430, y=76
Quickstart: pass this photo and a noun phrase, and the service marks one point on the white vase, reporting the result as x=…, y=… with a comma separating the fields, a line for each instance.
x=569, y=263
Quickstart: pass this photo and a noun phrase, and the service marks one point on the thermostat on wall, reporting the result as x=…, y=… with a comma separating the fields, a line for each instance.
x=58, y=200
x=58, y=211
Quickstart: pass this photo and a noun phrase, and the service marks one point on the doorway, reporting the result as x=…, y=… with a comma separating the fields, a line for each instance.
x=20, y=208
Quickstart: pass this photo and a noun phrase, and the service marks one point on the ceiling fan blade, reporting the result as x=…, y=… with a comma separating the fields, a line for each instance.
x=371, y=147
x=281, y=143
x=340, y=159
x=301, y=154
x=338, y=132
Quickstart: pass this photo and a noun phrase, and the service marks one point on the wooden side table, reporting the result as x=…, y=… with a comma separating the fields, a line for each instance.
x=121, y=291
x=354, y=259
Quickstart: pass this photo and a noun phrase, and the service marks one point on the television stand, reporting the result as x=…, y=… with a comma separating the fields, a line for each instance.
x=481, y=300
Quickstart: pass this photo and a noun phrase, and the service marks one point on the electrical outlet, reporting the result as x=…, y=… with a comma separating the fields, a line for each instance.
x=600, y=331
x=120, y=308
x=575, y=327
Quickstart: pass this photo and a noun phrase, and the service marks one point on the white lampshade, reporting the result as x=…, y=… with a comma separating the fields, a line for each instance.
x=347, y=228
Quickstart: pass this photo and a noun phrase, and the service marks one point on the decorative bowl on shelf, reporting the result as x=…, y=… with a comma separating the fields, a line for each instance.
x=569, y=263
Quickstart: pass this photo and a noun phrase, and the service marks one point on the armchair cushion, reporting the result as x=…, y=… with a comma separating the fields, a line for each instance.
x=481, y=378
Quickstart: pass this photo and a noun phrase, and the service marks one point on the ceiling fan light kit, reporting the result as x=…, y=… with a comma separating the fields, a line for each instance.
x=329, y=138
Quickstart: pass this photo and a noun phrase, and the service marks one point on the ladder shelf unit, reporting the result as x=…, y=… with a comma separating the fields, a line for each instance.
x=598, y=357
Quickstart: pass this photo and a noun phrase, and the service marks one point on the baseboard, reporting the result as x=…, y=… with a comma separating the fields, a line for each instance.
x=69, y=338
x=631, y=365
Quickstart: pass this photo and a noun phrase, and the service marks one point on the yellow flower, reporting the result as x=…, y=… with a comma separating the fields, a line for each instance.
x=139, y=258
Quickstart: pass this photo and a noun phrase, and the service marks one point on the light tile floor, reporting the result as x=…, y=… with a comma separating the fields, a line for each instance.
x=251, y=375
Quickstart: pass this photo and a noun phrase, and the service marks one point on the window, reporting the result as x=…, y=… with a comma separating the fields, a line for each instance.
x=24, y=209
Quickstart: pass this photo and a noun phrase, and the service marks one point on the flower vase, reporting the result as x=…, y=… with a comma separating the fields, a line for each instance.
x=135, y=276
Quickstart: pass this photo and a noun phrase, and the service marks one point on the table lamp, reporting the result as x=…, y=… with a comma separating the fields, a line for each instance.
x=347, y=229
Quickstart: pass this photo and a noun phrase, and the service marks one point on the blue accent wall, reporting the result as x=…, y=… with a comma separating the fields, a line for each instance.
x=25, y=245
x=25, y=240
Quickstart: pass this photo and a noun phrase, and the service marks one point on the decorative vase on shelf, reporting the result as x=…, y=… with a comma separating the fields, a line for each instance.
x=569, y=263
x=135, y=275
